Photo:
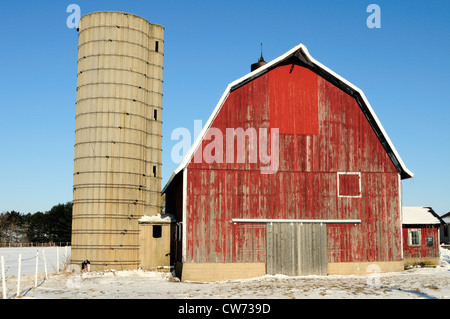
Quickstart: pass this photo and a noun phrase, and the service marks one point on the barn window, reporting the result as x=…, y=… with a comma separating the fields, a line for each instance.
x=154, y=171
x=156, y=46
x=155, y=115
x=414, y=237
x=349, y=184
x=157, y=231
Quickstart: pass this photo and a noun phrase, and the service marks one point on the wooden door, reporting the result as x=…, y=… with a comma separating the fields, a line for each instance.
x=295, y=249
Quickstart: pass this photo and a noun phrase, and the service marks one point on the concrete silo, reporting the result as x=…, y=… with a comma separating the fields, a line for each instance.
x=117, y=162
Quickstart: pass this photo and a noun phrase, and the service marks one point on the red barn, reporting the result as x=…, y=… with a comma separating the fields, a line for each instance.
x=292, y=174
x=420, y=236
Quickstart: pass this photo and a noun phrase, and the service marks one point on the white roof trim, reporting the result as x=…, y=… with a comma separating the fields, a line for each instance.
x=366, y=102
x=263, y=69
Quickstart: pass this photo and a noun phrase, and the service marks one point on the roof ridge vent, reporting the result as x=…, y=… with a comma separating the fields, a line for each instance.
x=260, y=62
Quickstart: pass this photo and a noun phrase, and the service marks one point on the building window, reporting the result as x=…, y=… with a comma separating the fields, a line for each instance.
x=156, y=46
x=414, y=237
x=157, y=231
x=349, y=184
x=154, y=171
x=155, y=114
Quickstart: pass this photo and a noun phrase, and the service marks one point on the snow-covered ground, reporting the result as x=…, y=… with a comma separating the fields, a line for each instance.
x=409, y=284
x=47, y=263
x=11, y=256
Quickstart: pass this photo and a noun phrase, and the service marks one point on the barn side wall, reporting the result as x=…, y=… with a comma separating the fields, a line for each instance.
x=332, y=136
x=421, y=254
x=174, y=206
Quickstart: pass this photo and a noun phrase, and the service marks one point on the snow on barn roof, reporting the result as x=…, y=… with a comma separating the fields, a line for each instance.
x=300, y=54
x=419, y=215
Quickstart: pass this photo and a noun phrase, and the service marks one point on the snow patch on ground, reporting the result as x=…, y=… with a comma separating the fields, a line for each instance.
x=416, y=283
x=445, y=257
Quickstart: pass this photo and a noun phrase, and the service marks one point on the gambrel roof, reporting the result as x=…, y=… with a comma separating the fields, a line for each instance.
x=300, y=55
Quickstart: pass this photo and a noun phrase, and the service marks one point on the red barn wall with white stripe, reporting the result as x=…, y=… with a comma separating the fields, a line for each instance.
x=322, y=132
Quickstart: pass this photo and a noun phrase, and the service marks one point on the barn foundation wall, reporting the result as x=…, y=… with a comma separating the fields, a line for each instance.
x=364, y=268
x=219, y=271
x=232, y=271
x=424, y=261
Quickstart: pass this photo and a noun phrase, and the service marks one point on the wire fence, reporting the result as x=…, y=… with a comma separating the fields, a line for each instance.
x=25, y=268
x=15, y=244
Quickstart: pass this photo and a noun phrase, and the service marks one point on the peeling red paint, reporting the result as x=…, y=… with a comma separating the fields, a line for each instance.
x=322, y=132
x=422, y=250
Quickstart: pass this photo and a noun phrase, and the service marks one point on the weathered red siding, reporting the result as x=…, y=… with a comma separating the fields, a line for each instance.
x=293, y=100
x=422, y=251
x=322, y=132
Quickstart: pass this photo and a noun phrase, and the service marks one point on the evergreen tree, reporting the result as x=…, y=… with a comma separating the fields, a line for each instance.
x=59, y=222
x=54, y=225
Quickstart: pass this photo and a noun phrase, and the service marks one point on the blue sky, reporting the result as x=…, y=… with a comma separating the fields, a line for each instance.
x=402, y=68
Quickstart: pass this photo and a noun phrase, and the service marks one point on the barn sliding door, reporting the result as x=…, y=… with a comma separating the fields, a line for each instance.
x=296, y=249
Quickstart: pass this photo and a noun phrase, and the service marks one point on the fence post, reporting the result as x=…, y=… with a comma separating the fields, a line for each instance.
x=45, y=264
x=57, y=259
x=3, y=278
x=35, y=275
x=18, y=275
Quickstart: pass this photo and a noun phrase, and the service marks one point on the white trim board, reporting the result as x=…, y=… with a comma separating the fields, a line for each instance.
x=316, y=221
x=338, y=184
